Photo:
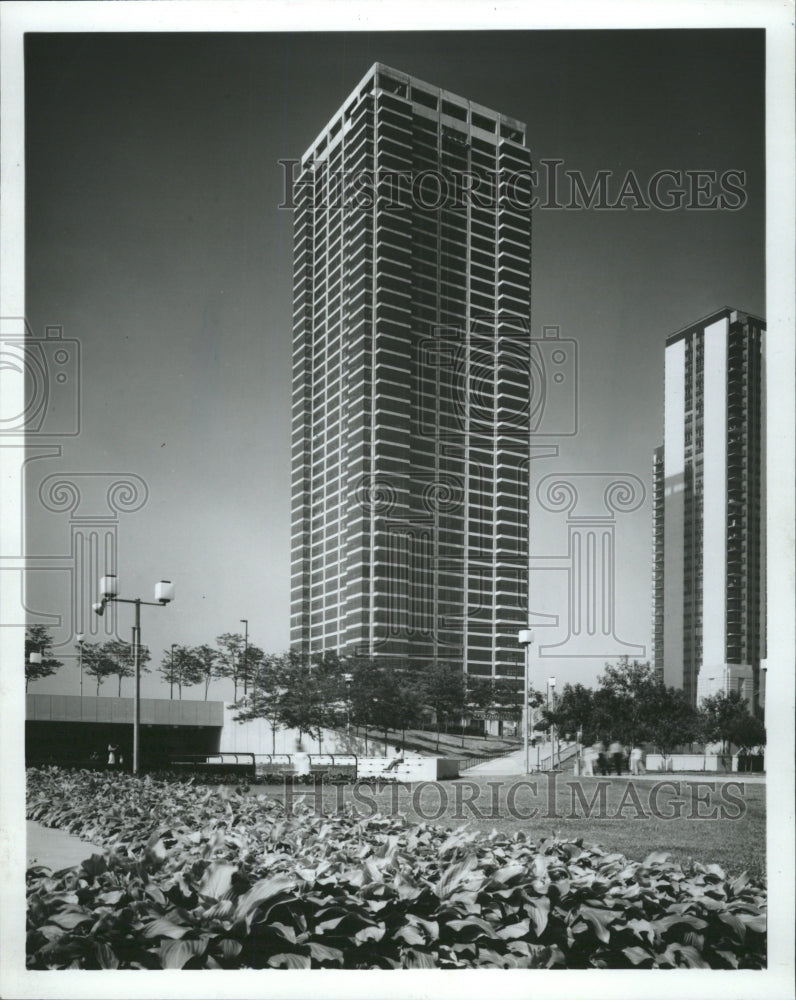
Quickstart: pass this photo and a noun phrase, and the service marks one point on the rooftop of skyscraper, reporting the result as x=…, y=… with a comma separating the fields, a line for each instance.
x=458, y=112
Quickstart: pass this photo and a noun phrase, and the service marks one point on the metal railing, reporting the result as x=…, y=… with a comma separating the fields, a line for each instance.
x=213, y=758
x=352, y=758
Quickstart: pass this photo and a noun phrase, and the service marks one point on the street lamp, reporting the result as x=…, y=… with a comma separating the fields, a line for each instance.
x=551, y=695
x=245, y=621
x=171, y=671
x=348, y=678
x=109, y=591
x=525, y=638
x=80, y=638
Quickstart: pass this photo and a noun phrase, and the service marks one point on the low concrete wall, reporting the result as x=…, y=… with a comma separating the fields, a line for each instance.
x=410, y=769
x=682, y=762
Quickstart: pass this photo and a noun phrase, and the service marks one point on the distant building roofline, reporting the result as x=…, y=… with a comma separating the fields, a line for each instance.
x=724, y=313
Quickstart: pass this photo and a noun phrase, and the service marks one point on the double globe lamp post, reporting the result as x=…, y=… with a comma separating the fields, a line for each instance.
x=109, y=592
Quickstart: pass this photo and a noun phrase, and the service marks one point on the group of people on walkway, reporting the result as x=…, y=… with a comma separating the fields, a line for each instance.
x=596, y=759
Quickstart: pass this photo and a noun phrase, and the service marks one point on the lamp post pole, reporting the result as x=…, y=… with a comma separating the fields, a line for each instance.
x=245, y=623
x=525, y=638
x=80, y=637
x=551, y=697
x=164, y=593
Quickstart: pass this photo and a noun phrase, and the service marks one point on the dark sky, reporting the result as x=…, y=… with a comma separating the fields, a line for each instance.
x=154, y=237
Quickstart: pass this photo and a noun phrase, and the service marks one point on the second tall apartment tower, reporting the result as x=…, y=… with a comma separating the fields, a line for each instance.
x=411, y=417
x=709, y=602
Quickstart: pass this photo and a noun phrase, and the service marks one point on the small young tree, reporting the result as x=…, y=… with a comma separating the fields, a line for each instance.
x=725, y=716
x=207, y=661
x=444, y=691
x=120, y=656
x=230, y=653
x=97, y=663
x=669, y=718
x=39, y=640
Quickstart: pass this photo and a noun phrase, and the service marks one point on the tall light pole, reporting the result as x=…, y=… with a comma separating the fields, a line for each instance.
x=551, y=695
x=109, y=591
x=525, y=638
x=245, y=622
x=171, y=672
x=80, y=638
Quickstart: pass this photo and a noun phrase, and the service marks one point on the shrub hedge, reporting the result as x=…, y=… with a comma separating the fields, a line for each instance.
x=207, y=878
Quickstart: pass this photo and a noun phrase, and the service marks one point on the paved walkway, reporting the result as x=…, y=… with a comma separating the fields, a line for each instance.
x=513, y=765
x=55, y=848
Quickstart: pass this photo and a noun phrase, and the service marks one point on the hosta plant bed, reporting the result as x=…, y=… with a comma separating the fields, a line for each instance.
x=208, y=878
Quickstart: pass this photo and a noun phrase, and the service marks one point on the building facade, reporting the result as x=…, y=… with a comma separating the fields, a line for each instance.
x=709, y=510
x=411, y=373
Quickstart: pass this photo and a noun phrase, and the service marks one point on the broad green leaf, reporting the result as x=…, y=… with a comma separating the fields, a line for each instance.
x=471, y=927
x=539, y=909
x=230, y=948
x=69, y=919
x=598, y=920
x=217, y=879
x=734, y=922
x=518, y=930
x=418, y=960
x=323, y=953
x=261, y=891
x=409, y=935
x=453, y=876
x=174, y=954
x=163, y=927
x=636, y=955
x=106, y=955
x=289, y=960
x=95, y=865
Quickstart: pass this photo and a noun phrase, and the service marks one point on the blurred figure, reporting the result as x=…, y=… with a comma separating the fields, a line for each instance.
x=617, y=753
x=112, y=751
x=599, y=752
x=635, y=760
x=589, y=756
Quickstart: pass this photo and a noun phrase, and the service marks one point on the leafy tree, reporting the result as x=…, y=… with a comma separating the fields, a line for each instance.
x=311, y=698
x=97, y=663
x=230, y=654
x=575, y=711
x=726, y=717
x=669, y=718
x=269, y=684
x=206, y=659
x=748, y=732
x=169, y=666
x=622, y=711
x=39, y=640
x=445, y=691
x=120, y=656
x=479, y=692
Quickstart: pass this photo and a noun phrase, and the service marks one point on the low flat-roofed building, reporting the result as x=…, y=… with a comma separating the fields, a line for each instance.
x=68, y=729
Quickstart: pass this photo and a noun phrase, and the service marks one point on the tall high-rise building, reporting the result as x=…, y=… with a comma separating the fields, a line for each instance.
x=709, y=616
x=411, y=375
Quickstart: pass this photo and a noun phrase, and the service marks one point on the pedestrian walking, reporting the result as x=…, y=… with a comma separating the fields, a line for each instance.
x=599, y=753
x=112, y=750
x=635, y=760
x=588, y=761
x=616, y=753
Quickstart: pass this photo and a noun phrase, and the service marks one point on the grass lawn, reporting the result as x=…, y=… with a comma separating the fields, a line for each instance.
x=725, y=824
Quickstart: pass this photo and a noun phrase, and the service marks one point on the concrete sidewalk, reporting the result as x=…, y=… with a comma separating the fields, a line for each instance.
x=513, y=765
x=56, y=849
